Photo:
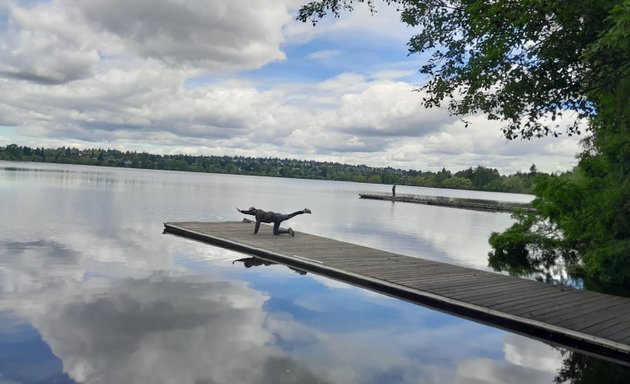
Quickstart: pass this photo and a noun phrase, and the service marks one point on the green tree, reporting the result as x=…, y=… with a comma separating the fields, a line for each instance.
x=457, y=183
x=525, y=63
x=481, y=177
x=442, y=176
x=588, y=211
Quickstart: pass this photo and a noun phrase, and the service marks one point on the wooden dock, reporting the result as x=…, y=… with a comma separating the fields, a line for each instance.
x=588, y=322
x=453, y=202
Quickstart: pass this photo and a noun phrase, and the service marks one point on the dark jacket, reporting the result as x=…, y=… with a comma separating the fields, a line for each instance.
x=266, y=216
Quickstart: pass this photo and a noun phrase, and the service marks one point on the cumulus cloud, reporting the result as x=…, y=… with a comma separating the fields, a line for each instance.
x=235, y=34
x=41, y=45
x=64, y=40
x=174, y=75
x=388, y=109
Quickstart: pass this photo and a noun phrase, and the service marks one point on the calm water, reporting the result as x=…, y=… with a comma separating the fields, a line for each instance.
x=92, y=291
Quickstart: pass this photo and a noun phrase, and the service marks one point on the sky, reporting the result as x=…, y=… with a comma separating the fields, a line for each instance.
x=237, y=77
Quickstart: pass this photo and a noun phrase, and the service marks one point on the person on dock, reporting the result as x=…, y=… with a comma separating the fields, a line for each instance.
x=272, y=217
x=394, y=192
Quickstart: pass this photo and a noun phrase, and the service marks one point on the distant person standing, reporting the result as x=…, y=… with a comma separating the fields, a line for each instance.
x=272, y=217
x=394, y=192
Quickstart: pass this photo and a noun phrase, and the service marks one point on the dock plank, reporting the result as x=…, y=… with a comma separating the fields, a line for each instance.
x=590, y=322
x=493, y=293
x=530, y=298
x=569, y=300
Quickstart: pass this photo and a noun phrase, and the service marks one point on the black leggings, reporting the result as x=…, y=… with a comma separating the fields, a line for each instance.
x=279, y=218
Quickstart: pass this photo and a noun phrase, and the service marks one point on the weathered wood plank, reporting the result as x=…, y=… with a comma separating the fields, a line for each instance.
x=607, y=328
x=544, y=308
x=533, y=297
x=582, y=320
x=416, y=274
x=525, y=299
x=429, y=280
x=623, y=333
x=491, y=293
x=584, y=316
x=473, y=281
x=587, y=305
x=560, y=299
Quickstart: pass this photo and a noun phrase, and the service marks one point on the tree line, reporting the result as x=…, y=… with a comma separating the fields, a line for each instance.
x=479, y=178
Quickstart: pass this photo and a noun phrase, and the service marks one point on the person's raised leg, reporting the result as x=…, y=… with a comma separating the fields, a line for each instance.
x=290, y=215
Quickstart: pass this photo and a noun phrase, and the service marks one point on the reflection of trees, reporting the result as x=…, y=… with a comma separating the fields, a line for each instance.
x=527, y=253
x=534, y=247
x=253, y=261
x=583, y=369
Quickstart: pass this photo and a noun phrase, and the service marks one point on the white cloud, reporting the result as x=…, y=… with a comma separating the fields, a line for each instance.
x=41, y=45
x=393, y=74
x=526, y=352
x=388, y=109
x=383, y=27
x=173, y=75
x=235, y=34
x=323, y=54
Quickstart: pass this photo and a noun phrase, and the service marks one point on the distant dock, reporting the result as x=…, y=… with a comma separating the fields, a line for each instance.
x=453, y=202
x=588, y=322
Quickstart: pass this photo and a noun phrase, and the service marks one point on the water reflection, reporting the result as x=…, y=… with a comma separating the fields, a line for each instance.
x=91, y=291
x=24, y=356
x=154, y=329
x=253, y=261
x=106, y=324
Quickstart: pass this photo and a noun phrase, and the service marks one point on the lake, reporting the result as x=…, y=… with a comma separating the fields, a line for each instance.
x=92, y=291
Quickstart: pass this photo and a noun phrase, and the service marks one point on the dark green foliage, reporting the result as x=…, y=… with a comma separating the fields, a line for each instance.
x=534, y=245
x=527, y=248
x=589, y=211
x=477, y=178
x=480, y=176
x=583, y=216
x=583, y=369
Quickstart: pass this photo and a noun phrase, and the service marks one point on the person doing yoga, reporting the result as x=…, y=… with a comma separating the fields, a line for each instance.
x=272, y=217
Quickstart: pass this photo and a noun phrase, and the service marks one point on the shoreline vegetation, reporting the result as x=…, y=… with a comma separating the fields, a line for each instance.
x=478, y=179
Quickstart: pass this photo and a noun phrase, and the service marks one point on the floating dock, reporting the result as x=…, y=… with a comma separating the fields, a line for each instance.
x=588, y=322
x=454, y=202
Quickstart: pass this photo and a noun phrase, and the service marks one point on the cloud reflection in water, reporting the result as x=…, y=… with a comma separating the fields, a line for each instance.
x=118, y=302
x=259, y=325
